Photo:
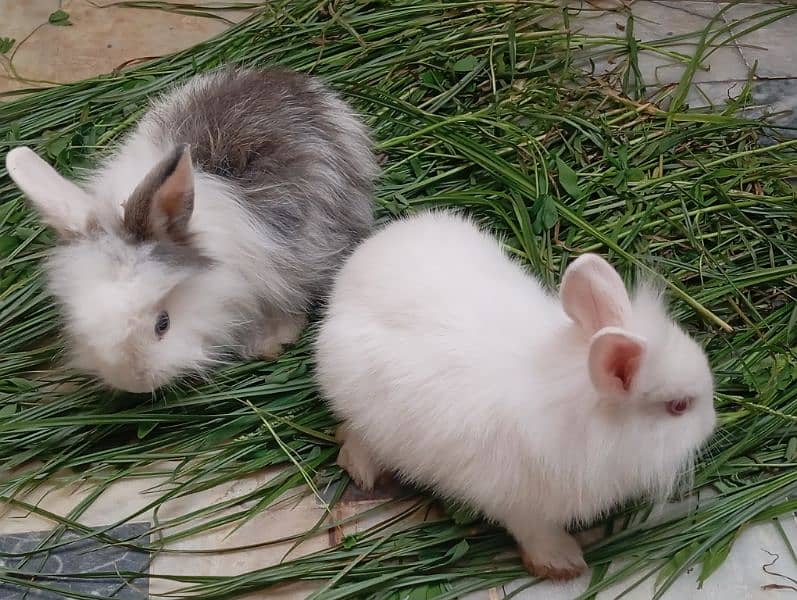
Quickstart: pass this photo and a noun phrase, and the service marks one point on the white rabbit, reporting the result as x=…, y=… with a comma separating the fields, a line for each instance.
x=212, y=228
x=453, y=367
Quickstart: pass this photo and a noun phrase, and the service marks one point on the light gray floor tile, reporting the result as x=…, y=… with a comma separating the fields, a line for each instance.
x=774, y=46
x=662, y=21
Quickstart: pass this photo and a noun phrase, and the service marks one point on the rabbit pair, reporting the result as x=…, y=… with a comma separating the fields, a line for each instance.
x=212, y=228
x=225, y=215
x=451, y=366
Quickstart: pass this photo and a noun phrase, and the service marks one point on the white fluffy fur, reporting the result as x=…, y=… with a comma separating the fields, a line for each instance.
x=451, y=365
x=112, y=291
x=68, y=205
x=285, y=194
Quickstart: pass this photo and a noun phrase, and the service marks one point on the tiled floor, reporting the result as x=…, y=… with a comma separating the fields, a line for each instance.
x=742, y=576
x=102, y=39
x=21, y=531
x=72, y=558
x=767, y=53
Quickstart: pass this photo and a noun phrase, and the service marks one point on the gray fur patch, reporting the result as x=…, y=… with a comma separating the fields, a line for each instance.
x=299, y=156
x=180, y=255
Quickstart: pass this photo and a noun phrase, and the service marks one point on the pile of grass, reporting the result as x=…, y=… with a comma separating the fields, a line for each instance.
x=476, y=105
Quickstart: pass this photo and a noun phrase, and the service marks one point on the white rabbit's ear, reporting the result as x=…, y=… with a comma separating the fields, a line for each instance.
x=62, y=204
x=593, y=295
x=161, y=205
x=614, y=358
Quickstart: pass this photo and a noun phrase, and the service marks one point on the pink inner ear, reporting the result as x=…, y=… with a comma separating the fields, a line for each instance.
x=593, y=294
x=623, y=364
x=176, y=191
x=614, y=360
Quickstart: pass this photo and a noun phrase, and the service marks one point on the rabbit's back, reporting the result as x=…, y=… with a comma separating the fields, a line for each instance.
x=299, y=159
x=427, y=350
x=439, y=270
x=254, y=126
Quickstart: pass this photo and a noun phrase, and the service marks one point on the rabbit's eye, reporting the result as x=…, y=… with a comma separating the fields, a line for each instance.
x=162, y=324
x=679, y=406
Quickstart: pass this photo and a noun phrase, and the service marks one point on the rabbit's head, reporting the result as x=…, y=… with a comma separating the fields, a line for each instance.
x=126, y=276
x=653, y=381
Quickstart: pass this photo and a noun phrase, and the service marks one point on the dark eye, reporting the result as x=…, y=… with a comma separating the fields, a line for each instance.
x=679, y=407
x=162, y=324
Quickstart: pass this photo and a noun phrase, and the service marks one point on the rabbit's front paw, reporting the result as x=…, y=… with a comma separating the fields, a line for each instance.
x=356, y=460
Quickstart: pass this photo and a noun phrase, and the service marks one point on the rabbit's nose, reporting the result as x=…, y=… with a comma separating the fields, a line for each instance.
x=138, y=387
x=136, y=379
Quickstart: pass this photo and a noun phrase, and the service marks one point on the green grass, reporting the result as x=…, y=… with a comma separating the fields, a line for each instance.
x=473, y=105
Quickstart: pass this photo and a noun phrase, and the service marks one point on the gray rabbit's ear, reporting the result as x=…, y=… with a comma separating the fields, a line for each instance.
x=161, y=205
x=61, y=204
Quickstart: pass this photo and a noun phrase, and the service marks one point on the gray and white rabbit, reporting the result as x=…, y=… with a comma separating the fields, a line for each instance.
x=451, y=365
x=211, y=229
